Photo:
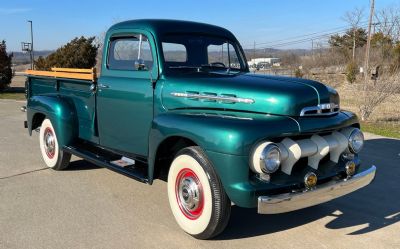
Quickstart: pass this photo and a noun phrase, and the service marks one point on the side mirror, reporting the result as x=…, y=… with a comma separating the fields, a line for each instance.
x=140, y=65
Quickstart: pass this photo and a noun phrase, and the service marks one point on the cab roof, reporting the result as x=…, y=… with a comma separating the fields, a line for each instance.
x=163, y=26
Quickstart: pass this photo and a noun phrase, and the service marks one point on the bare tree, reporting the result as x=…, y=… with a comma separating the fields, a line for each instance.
x=353, y=18
x=376, y=92
x=388, y=21
x=100, y=42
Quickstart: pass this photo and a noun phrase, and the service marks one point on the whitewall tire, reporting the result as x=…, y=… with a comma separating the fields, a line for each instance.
x=196, y=195
x=52, y=155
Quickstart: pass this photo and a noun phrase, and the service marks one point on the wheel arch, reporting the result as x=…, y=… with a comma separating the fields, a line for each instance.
x=37, y=120
x=165, y=152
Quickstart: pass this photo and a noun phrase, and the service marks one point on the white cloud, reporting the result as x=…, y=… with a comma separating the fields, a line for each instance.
x=10, y=11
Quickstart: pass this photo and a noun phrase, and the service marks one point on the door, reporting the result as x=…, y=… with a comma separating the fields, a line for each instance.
x=125, y=92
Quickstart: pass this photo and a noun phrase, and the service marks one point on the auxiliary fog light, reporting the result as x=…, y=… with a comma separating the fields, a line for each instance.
x=310, y=180
x=350, y=168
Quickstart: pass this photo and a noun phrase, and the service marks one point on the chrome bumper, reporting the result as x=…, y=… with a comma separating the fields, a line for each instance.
x=293, y=201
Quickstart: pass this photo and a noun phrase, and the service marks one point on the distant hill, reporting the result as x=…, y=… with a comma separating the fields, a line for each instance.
x=272, y=52
x=23, y=58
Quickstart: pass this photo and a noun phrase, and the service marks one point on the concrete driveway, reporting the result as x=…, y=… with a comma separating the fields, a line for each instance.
x=91, y=207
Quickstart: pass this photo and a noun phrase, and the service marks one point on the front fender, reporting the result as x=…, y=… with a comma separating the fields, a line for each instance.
x=224, y=134
x=228, y=139
x=221, y=133
x=61, y=113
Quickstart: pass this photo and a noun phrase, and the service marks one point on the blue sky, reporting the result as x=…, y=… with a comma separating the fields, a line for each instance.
x=57, y=22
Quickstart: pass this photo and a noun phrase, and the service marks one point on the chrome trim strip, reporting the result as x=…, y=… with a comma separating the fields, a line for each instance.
x=293, y=201
x=213, y=97
x=319, y=108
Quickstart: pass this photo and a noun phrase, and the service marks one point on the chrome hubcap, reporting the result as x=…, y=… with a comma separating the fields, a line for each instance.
x=49, y=143
x=189, y=194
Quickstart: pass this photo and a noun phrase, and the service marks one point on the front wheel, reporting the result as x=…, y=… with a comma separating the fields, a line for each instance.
x=52, y=155
x=196, y=195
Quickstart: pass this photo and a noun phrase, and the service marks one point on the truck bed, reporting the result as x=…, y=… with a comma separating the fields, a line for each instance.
x=74, y=86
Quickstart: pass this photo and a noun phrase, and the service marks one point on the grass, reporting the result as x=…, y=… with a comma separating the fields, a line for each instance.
x=15, y=96
x=382, y=129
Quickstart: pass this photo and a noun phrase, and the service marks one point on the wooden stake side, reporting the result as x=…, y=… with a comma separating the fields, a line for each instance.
x=70, y=73
x=72, y=70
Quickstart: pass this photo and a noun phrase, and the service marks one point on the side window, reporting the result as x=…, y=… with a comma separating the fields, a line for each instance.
x=220, y=53
x=130, y=53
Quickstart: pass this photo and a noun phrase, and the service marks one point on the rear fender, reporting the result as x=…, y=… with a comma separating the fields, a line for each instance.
x=61, y=113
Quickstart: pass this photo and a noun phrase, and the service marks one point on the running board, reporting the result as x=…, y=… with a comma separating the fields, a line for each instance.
x=103, y=162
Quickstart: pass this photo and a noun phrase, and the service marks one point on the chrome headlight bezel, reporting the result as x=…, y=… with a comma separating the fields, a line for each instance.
x=270, y=158
x=265, y=158
x=356, y=141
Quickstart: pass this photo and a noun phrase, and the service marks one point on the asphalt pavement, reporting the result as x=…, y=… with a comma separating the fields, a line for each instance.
x=91, y=207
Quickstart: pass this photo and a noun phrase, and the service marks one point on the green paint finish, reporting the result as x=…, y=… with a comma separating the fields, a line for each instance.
x=270, y=94
x=125, y=106
x=61, y=113
x=83, y=102
x=231, y=132
x=131, y=116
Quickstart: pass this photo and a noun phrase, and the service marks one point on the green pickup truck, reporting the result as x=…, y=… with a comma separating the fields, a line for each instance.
x=175, y=101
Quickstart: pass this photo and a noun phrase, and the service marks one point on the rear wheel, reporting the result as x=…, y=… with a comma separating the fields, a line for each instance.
x=52, y=155
x=196, y=195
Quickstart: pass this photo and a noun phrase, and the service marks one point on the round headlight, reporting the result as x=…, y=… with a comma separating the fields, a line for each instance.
x=270, y=159
x=356, y=141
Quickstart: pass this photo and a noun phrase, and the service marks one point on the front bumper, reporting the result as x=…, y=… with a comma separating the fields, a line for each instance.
x=287, y=202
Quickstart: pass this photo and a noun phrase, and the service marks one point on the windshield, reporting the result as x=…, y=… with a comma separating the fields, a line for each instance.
x=201, y=53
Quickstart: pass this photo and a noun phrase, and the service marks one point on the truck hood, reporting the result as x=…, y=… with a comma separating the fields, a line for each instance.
x=245, y=92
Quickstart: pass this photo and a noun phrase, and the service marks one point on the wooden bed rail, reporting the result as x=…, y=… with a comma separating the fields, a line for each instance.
x=70, y=73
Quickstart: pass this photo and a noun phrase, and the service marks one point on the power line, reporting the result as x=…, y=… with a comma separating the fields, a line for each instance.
x=283, y=44
x=338, y=29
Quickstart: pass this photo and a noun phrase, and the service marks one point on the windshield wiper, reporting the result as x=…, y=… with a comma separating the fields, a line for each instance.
x=208, y=66
x=185, y=67
x=213, y=67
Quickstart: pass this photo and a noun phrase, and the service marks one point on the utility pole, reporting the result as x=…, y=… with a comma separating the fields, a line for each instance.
x=371, y=14
x=254, y=50
x=312, y=49
x=31, y=50
x=354, y=42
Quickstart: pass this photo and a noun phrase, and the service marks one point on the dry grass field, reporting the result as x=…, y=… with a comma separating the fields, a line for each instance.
x=385, y=120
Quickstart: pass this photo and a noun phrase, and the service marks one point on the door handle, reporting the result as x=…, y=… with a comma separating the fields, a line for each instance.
x=103, y=86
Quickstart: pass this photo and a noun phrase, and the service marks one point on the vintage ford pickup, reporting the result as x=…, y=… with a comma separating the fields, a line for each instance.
x=175, y=101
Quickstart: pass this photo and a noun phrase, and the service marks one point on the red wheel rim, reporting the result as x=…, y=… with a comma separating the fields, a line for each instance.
x=49, y=142
x=189, y=194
